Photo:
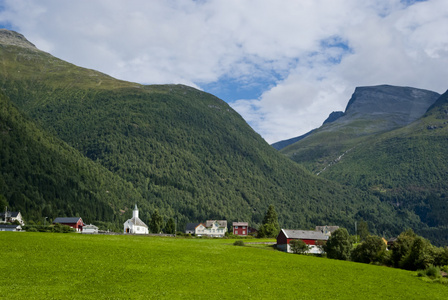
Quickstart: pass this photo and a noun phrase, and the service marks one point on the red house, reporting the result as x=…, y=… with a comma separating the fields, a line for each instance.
x=240, y=228
x=75, y=222
x=310, y=237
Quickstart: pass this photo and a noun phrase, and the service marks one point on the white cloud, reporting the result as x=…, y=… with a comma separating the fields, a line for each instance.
x=319, y=49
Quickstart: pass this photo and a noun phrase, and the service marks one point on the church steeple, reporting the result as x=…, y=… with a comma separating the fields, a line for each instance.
x=135, y=212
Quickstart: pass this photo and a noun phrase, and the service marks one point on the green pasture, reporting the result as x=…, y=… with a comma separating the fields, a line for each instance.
x=75, y=266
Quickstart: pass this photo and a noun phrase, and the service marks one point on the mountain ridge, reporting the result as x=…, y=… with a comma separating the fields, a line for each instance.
x=185, y=152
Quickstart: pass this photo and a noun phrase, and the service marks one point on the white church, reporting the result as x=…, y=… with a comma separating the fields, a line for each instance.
x=135, y=225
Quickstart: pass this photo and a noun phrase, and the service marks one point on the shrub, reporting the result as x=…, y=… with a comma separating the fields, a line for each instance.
x=299, y=247
x=431, y=271
x=238, y=243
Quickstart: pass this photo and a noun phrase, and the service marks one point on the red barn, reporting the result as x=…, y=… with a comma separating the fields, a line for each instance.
x=310, y=237
x=75, y=222
x=240, y=228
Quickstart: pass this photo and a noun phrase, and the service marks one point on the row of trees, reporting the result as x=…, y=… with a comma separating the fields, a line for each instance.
x=156, y=224
x=409, y=251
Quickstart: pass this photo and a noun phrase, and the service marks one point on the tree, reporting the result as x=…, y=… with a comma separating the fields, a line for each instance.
x=338, y=245
x=363, y=230
x=156, y=222
x=419, y=256
x=270, y=226
x=170, y=226
x=371, y=250
x=299, y=246
x=401, y=246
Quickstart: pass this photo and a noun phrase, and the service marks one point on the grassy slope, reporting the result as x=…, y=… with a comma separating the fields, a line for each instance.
x=185, y=151
x=73, y=266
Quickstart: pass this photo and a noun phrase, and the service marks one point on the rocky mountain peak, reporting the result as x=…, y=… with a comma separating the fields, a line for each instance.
x=9, y=37
x=407, y=102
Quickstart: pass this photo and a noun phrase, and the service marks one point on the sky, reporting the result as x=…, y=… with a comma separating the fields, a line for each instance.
x=283, y=65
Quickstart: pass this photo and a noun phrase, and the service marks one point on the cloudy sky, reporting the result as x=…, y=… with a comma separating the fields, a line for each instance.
x=283, y=65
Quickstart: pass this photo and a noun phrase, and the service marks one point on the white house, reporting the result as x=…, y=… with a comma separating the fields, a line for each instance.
x=212, y=228
x=10, y=227
x=11, y=216
x=135, y=225
x=90, y=229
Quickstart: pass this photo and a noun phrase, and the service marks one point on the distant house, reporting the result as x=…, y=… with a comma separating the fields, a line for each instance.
x=327, y=230
x=74, y=222
x=252, y=231
x=11, y=217
x=135, y=225
x=4, y=227
x=212, y=228
x=240, y=228
x=391, y=242
x=90, y=229
x=310, y=237
x=191, y=228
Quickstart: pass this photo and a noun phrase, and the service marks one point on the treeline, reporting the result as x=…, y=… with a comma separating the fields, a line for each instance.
x=408, y=251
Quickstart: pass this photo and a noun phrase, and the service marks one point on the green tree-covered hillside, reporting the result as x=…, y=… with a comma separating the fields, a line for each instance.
x=405, y=167
x=186, y=152
x=41, y=176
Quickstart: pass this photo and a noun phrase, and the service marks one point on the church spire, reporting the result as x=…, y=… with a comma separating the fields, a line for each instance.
x=135, y=212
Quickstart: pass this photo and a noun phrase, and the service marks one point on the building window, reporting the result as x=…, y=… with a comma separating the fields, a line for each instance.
x=244, y=231
x=236, y=227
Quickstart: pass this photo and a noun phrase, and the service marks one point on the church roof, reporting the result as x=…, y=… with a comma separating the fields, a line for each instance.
x=137, y=222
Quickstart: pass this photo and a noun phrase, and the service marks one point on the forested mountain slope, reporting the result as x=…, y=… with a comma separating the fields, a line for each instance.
x=41, y=176
x=186, y=152
x=405, y=166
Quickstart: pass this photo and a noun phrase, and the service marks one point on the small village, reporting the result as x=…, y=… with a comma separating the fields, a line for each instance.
x=314, y=239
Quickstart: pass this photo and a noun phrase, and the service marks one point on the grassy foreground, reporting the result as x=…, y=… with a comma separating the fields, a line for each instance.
x=75, y=266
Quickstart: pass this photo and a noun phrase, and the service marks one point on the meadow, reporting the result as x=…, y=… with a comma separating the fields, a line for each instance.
x=75, y=266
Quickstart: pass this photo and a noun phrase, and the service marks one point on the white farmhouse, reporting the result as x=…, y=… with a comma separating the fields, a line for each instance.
x=212, y=228
x=90, y=229
x=135, y=225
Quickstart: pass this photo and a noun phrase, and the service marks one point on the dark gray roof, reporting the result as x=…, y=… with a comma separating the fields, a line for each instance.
x=11, y=214
x=9, y=226
x=304, y=234
x=191, y=226
x=70, y=220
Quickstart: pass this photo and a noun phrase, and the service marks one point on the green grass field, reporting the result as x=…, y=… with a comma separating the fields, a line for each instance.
x=75, y=266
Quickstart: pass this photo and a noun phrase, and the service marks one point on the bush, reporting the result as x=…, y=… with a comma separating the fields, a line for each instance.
x=431, y=271
x=238, y=243
x=299, y=247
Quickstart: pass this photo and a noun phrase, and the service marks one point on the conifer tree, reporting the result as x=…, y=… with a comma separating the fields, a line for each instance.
x=156, y=222
x=170, y=226
x=270, y=227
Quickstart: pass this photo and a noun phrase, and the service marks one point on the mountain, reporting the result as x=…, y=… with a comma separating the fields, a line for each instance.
x=396, y=151
x=373, y=109
x=42, y=176
x=180, y=150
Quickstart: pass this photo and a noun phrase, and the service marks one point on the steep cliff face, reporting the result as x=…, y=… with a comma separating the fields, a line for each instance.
x=399, y=105
x=374, y=109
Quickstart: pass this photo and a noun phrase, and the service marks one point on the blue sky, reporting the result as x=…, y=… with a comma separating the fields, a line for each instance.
x=284, y=66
